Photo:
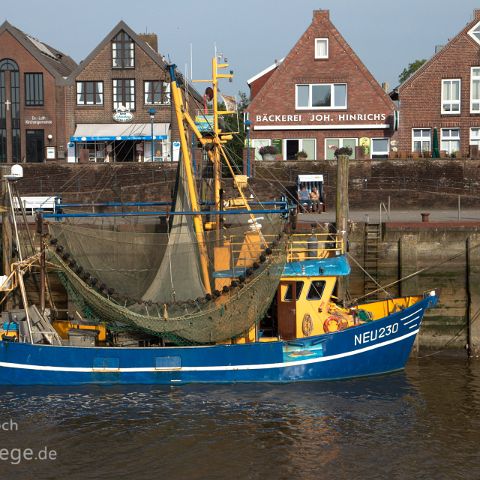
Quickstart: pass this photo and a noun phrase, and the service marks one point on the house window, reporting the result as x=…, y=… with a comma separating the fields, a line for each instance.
x=123, y=51
x=421, y=140
x=9, y=109
x=321, y=96
x=124, y=93
x=475, y=136
x=475, y=90
x=33, y=89
x=451, y=140
x=380, y=147
x=89, y=93
x=258, y=143
x=292, y=147
x=321, y=48
x=331, y=144
x=474, y=32
x=157, y=92
x=451, y=96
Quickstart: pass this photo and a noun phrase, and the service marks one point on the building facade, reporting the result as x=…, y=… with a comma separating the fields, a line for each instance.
x=119, y=102
x=440, y=102
x=318, y=98
x=33, y=80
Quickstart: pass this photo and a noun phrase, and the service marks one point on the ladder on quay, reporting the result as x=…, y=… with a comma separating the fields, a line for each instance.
x=371, y=247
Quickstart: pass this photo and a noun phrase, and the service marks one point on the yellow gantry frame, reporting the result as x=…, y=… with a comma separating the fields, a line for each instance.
x=218, y=139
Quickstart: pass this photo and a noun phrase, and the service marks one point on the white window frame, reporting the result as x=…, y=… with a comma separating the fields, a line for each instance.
x=341, y=144
x=332, y=91
x=116, y=86
x=300, y=146
x=451, y=102
x=317, y=55
x=164, y=94
x=475, y=139
x=474, y=76
x=474, y=32
x=422, y=139
x=386, y=152
x=81, y=86
x=258, y=143
x=449, y=139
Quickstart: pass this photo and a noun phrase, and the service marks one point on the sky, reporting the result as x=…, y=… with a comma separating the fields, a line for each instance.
x=387, y=35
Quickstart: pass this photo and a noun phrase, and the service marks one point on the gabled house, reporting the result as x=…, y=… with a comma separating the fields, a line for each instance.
x=320, y=97
x=120, y=102
x=442, y=99
x=33, y=79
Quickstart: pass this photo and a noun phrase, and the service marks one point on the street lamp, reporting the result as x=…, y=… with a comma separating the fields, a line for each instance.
x=152, y=112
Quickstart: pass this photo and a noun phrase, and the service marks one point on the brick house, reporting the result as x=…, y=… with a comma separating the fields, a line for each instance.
x=32, y=98
x=118, y=94
x=318, y=98
x=442, y=99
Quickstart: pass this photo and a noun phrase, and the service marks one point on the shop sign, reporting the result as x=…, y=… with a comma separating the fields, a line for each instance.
x=38, y=120
x=321, y=117
x=50, y=153
x=123, y=115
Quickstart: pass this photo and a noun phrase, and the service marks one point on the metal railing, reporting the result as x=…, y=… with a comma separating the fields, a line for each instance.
x=314, y=246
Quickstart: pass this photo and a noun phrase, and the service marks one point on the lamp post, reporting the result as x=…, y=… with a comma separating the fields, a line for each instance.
x=247, y=124
x=152, y=112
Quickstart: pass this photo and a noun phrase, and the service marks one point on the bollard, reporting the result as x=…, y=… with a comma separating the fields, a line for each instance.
x=425, y=217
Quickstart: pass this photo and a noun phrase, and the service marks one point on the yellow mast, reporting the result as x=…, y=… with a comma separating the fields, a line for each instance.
x=197, y=219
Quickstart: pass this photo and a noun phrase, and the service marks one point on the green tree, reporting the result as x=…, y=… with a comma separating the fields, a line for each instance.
x=412, y=67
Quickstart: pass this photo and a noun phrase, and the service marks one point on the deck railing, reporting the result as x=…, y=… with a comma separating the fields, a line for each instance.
x=314, y=246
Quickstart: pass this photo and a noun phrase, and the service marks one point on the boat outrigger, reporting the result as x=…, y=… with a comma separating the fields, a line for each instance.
x=192, y=319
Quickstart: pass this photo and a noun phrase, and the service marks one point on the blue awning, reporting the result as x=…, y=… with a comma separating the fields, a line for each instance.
x=109, y=132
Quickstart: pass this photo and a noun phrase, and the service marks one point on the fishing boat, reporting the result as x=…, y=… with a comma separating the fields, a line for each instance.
x=263, y=310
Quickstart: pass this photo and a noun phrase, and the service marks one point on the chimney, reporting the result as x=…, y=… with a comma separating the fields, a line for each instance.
x=476, y=14
x=151, y=39
x=319, y=15
x=385, y=87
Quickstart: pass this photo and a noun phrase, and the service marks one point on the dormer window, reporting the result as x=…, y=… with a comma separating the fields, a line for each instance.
x=123, y=51
x=474, y=32
x=321, y=48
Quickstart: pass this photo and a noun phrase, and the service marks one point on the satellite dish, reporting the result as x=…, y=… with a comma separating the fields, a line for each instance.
x=16, y=172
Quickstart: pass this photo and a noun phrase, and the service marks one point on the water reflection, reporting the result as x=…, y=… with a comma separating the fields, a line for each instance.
x=423, y=423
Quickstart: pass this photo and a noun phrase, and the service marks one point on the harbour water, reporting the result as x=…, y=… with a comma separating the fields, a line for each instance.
x=423, y=423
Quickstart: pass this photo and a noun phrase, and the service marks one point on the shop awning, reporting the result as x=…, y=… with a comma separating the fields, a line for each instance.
x=105, y=132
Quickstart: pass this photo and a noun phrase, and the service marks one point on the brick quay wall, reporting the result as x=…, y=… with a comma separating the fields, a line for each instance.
x=410, y=184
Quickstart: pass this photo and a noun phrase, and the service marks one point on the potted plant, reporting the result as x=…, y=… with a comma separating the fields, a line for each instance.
x=343, y=151
x=301, y=155
x=268, y=152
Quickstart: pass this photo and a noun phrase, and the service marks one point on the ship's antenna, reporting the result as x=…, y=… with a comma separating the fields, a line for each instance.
x=191, y=61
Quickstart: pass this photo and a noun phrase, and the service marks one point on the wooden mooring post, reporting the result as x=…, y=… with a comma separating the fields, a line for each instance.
x=341, y=213
x=473, y=294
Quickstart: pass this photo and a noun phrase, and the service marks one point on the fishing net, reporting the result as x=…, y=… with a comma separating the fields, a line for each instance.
x=146, y=275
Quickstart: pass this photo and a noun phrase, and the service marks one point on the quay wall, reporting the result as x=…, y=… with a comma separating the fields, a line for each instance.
x=447, y=258
x=410, y=183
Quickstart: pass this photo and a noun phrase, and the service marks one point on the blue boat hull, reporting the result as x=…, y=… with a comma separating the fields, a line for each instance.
x=370, y=349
